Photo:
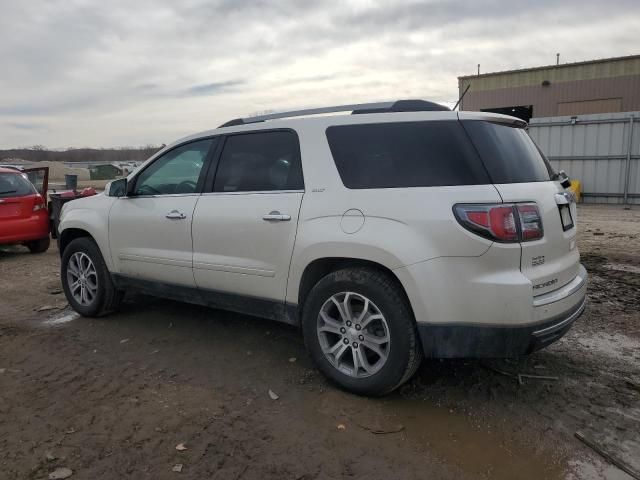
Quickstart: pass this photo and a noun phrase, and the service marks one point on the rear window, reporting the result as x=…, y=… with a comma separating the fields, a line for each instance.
x=508, y=153
x=15, y=185
x=408, y=154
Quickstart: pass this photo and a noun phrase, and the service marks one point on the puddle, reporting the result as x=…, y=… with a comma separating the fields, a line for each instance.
x=477, y=445
x=64, y=317
x=615, y=345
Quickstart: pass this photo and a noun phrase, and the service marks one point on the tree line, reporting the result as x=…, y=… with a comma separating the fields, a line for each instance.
x=39, y=153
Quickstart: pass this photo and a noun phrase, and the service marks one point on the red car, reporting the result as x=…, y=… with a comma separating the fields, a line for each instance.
x=24, y=217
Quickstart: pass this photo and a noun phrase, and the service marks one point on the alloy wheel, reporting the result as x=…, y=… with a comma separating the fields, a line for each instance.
x=353, y=334
x=82, y=278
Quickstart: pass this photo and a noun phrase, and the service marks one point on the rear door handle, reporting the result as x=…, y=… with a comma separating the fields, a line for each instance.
x=276, y=216
x=175, y=215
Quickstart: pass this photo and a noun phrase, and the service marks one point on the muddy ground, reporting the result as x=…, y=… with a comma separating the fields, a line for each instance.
x=112, y=398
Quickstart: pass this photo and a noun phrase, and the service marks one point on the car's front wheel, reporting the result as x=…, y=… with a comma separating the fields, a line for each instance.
x=360, y=331
x=86, y=280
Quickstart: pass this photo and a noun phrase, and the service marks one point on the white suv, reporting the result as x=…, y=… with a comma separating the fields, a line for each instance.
x=400, y=231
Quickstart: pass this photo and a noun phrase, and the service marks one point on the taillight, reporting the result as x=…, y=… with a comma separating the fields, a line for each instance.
x=39, y=204
x=502, y=222
x=530, y=221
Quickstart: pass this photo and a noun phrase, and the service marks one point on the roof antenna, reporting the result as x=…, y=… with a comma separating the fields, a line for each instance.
x=478, y=69
x=462, y=96
x=557, y=59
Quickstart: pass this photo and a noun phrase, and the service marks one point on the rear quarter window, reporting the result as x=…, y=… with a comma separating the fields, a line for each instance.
x=405, y=154
x=508, y=153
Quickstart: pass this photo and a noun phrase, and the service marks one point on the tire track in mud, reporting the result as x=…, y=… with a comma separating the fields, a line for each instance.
x=616, y=287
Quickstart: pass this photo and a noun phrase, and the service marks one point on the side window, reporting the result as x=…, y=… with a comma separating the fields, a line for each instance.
x=176, y=172
x=409, y=154
x=261, y=161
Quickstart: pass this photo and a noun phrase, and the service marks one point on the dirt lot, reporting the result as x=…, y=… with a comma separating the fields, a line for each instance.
x=112, y=398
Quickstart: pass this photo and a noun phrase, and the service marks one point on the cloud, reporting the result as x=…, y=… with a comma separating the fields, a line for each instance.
x=122, y=72
x=27, y=126
x=213, y=88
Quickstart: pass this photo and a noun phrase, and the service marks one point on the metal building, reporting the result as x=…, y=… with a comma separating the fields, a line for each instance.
x=596, y=86
x=600, y=150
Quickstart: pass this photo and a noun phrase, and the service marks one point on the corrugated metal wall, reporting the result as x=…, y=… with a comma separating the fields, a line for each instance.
x=595, y=149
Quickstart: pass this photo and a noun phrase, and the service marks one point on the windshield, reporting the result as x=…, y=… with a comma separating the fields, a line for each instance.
x=15, y=185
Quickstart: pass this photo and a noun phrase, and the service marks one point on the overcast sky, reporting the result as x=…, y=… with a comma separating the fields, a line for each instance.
x=135, y=72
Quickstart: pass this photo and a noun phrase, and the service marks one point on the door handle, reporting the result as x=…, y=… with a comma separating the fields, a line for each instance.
x=276, y=216
x=175, y=215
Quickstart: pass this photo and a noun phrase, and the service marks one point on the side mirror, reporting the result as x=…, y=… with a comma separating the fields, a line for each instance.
x=117, y=188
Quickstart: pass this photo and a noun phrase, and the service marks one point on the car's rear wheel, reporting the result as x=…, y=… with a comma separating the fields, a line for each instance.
x=39, y=246
x=360, y=331
x=86, y=280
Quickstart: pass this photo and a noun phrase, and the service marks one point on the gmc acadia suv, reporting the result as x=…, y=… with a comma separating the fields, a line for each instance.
x=399, y=231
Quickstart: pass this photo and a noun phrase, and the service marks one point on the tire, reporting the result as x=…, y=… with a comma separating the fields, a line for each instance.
x=403, y=350
x=106, y=298
x=39, y=246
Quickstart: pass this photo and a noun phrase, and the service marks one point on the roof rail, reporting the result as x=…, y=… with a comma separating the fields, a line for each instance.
x=378, y=107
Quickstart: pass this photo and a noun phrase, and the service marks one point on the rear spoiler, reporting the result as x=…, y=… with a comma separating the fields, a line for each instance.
x=493, y=118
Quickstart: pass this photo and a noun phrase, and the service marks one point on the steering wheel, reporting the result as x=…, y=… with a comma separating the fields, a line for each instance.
x=186, y=186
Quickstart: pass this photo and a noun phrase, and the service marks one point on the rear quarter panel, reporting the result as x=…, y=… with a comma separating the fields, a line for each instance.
x=400, y=226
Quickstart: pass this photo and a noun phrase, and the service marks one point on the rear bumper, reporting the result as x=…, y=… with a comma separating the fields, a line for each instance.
x=473, y=341
x=528, y=326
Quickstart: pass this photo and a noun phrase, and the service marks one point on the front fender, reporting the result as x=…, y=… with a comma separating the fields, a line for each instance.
x=91, y=215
